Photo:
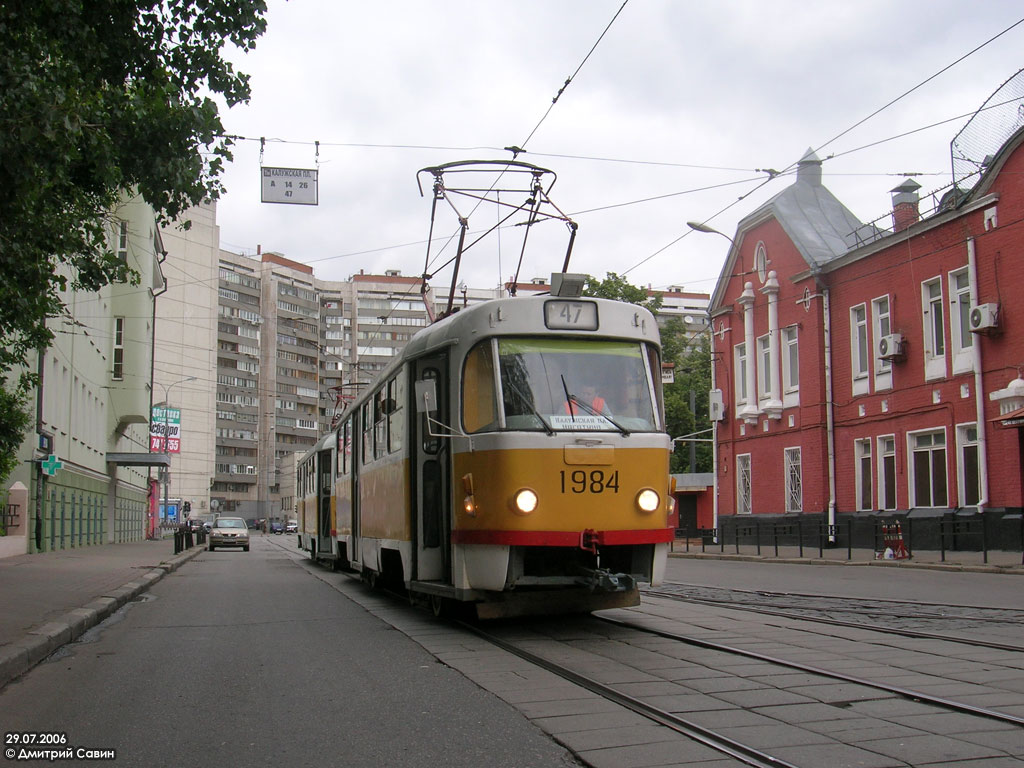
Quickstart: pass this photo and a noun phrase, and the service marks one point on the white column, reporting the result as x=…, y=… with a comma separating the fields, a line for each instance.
x=750, y=411
x=771, y=289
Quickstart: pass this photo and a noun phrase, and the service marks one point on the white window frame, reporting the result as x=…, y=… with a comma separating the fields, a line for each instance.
x=790, y=367
x=962, y=340
x=881, y=325
x=860, y=349
x=912, y=452
x=117, y=352
x=933, y=329
x=965, y=442
x=793, y=470
x=886, y=445
x=764, y=367
x=862, y=473
x=740, y=363
x=744, y=486
x=122, y=240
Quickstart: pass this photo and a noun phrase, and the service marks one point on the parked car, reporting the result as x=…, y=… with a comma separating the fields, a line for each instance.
x=229, y=532
x=292, y=526
x=277, y=527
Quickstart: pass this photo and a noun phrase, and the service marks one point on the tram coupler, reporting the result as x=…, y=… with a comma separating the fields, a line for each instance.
x=603, y=580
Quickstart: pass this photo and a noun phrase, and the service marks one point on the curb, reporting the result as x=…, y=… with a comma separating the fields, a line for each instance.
x=41, y=641
x=1012, y=570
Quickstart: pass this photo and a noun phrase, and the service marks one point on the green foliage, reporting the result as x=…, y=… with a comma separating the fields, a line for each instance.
x=15, y=421
x=691, y=354
x=617, y=288
x=99, y=98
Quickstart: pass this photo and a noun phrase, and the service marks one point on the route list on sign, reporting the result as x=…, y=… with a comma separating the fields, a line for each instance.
x=294, y=186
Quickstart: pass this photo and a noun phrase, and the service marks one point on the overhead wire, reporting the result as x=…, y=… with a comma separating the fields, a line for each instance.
x=772, y=175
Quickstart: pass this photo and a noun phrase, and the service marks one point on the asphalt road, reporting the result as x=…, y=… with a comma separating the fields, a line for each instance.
x=246, y=659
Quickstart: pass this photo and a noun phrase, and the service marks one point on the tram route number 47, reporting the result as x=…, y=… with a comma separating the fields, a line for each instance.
x=594, y=481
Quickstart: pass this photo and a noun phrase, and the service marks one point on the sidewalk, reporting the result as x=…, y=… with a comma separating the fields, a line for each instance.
x=998, y=561
x=49, y=599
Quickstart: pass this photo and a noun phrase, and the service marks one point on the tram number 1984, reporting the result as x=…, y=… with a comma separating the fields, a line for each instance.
x=594, y=481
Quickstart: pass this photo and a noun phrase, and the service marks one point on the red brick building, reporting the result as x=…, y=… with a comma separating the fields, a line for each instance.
x=869, y=373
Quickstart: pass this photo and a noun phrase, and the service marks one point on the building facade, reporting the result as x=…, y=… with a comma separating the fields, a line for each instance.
x=872, y=374
x=84, y=473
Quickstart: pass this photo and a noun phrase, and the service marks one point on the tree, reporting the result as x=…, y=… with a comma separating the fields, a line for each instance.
x=618, y=288
x=99, y=98
x=691, y=354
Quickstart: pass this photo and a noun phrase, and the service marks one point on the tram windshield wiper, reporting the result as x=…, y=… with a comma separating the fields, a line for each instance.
x=529, y=404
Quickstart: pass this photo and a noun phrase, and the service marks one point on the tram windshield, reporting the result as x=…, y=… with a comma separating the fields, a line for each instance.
x=561, y=385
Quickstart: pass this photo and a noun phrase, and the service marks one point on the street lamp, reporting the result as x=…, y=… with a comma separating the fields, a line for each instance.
x=166, y=404
x=699, y=227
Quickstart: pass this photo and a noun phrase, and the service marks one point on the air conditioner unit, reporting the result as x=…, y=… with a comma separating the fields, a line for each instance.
x=890, y=347
x=983, y=318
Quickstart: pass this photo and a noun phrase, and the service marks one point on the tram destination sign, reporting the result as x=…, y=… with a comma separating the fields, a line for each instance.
x=292, y=186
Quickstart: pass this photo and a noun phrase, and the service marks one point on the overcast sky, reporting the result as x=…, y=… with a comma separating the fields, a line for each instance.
x=667, y=121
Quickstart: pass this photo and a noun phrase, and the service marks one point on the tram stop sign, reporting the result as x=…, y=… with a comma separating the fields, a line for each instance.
x=51, y=464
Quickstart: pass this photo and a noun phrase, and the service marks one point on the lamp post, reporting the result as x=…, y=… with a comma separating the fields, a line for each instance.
x=697, y=226
x=166, y=404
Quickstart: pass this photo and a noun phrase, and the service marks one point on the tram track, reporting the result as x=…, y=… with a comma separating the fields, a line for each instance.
x=745, y=753
x=906, y=693
x=812, y=613
x=570, y=647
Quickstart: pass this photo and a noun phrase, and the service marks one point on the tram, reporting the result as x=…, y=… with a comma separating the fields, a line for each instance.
x=481, y=469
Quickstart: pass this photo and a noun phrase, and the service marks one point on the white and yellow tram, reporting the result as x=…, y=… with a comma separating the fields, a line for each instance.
x=474, y=469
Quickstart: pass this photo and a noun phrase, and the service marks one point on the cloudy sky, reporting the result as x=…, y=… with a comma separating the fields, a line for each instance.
x=674, y=116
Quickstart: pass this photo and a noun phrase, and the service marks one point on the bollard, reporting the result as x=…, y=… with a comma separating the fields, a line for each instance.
x=177, y=542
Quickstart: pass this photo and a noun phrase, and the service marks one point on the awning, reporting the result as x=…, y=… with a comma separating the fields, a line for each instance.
x=1010, y=420
x=139, y=459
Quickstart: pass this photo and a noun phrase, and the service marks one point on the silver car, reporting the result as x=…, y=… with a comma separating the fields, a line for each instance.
x=229, y=532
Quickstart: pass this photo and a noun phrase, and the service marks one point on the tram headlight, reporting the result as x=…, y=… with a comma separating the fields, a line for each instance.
x=469, y=504
x=648, y=500
x=524, y=501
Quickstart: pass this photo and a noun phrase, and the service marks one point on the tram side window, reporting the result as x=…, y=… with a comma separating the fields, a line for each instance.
x=380, y=424
x=479, y=407
x=396, y=414
x=345, y=448
x=367, y=423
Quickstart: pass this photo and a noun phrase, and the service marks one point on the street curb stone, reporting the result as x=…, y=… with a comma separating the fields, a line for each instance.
x=40, y=642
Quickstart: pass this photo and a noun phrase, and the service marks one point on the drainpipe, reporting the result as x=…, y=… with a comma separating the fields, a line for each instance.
x=979, y=394
x=714, y=436
x=829, y=417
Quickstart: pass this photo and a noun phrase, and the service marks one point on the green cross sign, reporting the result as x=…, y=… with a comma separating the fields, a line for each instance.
x=51, y=464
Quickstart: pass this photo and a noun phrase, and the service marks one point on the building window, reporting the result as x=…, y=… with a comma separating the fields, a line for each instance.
x=934, y=329
x=743, y=500
x=887, y=472
x=882, y=326
x=118, y=351
x=959, y=321
x=928, y=468
x=968, y=470
x=764, y=368
x=794, y=481
x=122, y=241
x=859, y=351
x=740, y=367
x=862, y=454
x=790, y=367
